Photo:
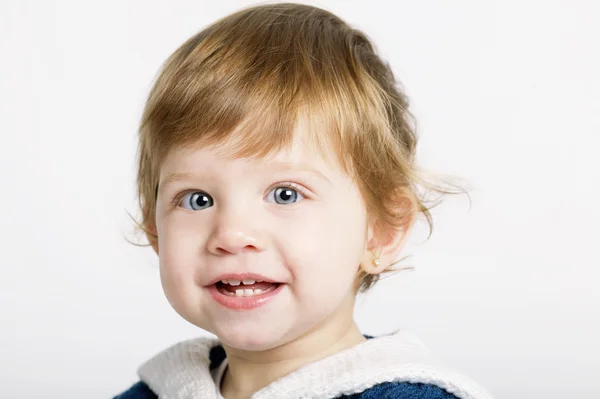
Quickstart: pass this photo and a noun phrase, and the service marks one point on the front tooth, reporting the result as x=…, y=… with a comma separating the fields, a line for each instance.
x=257, y=291
x=248, y=292
x=234, y=282
x=239, y=292
x=248, y=281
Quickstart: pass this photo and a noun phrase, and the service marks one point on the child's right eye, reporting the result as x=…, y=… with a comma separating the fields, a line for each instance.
x=196, y=200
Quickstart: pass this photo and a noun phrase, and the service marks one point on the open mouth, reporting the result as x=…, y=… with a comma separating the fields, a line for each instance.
x=246, y=294
x=245, y=288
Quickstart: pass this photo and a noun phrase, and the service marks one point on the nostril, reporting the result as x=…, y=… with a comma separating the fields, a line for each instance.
x=221, y=251
x=234, y=249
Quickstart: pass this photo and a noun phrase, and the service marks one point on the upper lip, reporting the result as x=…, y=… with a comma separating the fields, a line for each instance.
x=241, y=276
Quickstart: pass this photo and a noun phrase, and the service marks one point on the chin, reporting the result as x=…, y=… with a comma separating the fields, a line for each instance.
x=255, y=340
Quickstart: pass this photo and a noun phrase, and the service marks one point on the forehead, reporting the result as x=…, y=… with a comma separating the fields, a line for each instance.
x=302, y=153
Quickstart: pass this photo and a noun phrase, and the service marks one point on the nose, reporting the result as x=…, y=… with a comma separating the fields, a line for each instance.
x=235, y=234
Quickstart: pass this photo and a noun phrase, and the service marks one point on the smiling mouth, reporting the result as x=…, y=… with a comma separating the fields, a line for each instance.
x=245, y=288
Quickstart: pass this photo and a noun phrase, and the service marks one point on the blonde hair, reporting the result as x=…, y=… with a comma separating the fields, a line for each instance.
x=249, y=78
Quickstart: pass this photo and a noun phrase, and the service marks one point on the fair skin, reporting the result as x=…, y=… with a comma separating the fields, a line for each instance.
x=313, y=243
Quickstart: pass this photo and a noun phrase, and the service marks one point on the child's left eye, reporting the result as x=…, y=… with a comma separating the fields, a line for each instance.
x=284, y=195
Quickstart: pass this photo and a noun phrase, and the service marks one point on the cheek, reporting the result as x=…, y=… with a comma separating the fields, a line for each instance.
x=178, y=264
x=181, y=238
x=173, y=284
x=343, y=228
x=324, y=248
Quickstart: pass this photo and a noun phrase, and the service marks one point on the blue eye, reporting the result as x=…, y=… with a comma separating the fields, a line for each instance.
x=285, y=195
x=197, y=201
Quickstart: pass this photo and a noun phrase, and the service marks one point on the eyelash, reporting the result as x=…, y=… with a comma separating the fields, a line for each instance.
x=177, y=199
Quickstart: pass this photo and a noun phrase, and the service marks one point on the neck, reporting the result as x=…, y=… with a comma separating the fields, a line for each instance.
x=248, y=372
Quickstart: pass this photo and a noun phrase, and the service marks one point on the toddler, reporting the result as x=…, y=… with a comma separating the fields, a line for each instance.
x=277, y=181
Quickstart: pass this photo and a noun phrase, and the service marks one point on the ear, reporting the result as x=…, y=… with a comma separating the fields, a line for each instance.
x=384, y=243
x=154, y=244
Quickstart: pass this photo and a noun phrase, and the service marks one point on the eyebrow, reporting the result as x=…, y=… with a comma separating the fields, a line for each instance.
x=291, y=167
x=279, y=166
x=173, y=178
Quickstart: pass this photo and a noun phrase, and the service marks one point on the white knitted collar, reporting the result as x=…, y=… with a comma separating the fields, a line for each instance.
x=182, y=371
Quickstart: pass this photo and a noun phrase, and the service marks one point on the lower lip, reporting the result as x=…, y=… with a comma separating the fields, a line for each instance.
x=243, y=302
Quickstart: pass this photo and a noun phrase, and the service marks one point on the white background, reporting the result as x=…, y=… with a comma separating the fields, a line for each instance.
x=507, y=96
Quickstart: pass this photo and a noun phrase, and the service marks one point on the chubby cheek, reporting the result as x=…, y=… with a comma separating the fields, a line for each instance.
x=323, y=253
x=172, y=281
x=177, y=270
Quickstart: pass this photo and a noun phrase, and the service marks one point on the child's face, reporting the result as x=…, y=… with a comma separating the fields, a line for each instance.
x=242, y=215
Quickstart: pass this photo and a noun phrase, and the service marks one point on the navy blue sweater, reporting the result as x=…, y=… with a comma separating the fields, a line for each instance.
x=387, y=390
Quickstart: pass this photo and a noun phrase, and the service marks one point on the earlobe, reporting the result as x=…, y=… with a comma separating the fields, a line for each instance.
x=372, y=263
x=154, y=244
x=384, y=247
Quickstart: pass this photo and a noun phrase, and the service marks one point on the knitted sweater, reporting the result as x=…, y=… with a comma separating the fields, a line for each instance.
x=392, y=366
